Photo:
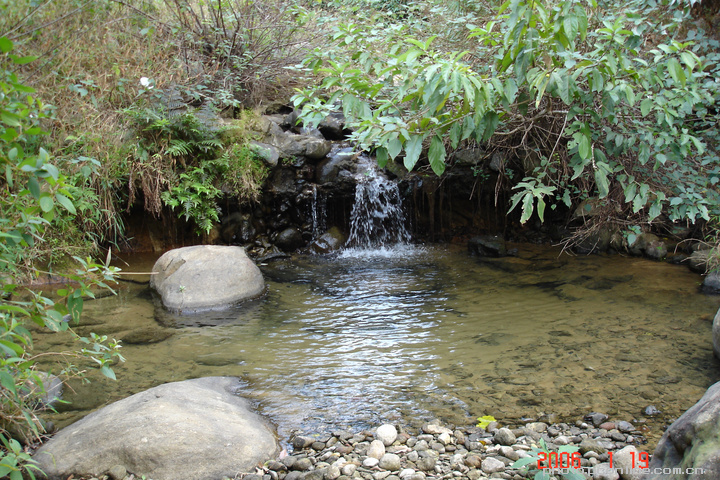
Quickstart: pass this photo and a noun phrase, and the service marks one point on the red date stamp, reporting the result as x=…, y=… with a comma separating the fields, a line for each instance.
x=566, y=460
x=555, y=460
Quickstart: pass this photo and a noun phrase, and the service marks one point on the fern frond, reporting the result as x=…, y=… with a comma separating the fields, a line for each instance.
x=178, y=148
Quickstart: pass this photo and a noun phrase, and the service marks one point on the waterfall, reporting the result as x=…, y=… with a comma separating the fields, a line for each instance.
x=318, y=212
x=377, y=219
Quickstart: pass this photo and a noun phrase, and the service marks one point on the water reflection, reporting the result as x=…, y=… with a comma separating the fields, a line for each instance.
x=357, y=339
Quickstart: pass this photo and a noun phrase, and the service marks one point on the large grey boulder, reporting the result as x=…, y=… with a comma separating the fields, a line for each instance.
x=691, y=442
x=206, y=277
x=194, y=430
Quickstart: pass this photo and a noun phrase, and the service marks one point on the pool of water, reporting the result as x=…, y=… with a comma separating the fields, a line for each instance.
x=416, y=333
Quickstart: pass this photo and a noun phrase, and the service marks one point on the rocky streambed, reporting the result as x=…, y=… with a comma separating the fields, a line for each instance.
x=446, y=452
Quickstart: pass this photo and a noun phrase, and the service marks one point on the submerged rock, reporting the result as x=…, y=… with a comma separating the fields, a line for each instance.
x=195, y=430
x=205, y=277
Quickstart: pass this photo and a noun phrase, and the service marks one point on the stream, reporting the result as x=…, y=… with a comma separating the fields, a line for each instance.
x=413, y=333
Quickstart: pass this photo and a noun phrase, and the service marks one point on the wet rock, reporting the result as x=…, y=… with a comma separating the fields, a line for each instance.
x=711, y=283
x=387, y=434
x=146, y=336
x=699, y=260
x=267, y=153
x=625, y=427
x=205, y=277
x=300, y=441
x=333, y=126
x=596, y=418
x=290, y=239
x=487, y=246
x=314, y=148
x=692, y=440
x=650, y=411
x=330, y=241
x=504, y=436
x=590, y=445
x=328, y=170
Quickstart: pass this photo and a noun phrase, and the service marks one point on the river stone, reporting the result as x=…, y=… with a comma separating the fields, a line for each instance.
x=627, y=460
x=692, y=441
x=487, y=246
x=390, y=461
x=206, y=277
x=290, y=239
x=492, y=465
x=376, y=449
x=711, y=283
x=504, y=436
x=387, y=434
x=155, y=433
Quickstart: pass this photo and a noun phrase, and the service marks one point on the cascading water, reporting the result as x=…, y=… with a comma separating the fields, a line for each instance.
x=318, y=212
x=377, y=219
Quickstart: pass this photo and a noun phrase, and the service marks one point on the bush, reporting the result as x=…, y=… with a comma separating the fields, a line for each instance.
x=36, y=198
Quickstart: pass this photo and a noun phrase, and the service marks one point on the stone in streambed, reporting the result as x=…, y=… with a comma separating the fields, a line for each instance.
x=391, y=462
x=387, y=434
x=504, y=436
x=205, y=277
x=376, y=449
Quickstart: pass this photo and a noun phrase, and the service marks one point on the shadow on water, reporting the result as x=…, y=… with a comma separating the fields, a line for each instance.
x=409, y=335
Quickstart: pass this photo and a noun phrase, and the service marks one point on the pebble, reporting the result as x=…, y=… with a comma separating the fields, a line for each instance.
x=370, y=462
x=376, y=449
x=391, y=462
x=492, y=465
x=504, y=436
x=387, y=434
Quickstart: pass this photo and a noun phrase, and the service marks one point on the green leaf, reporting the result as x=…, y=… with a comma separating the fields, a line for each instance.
x=22, y=60
x=602, y=182
x=75, y=306
x=584, y=147
x=394, y=147
x=5, y=45
x=491, y=120
x=645, y=106
x=381, y=155
x=524, y=461
x=436, y=155
x=413, y=149
x=527, y=208
x=34, y=187
x=108, y=372
x=65, y=202
x=46, y=203
x=455, y=132
x=7, y=381
x=676, y=71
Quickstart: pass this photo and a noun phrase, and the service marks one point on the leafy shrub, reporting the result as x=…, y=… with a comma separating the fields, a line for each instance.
x=36, y=198
x=591, y=102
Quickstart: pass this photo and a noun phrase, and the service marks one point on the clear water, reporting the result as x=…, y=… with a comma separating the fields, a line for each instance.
x=418, y=333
